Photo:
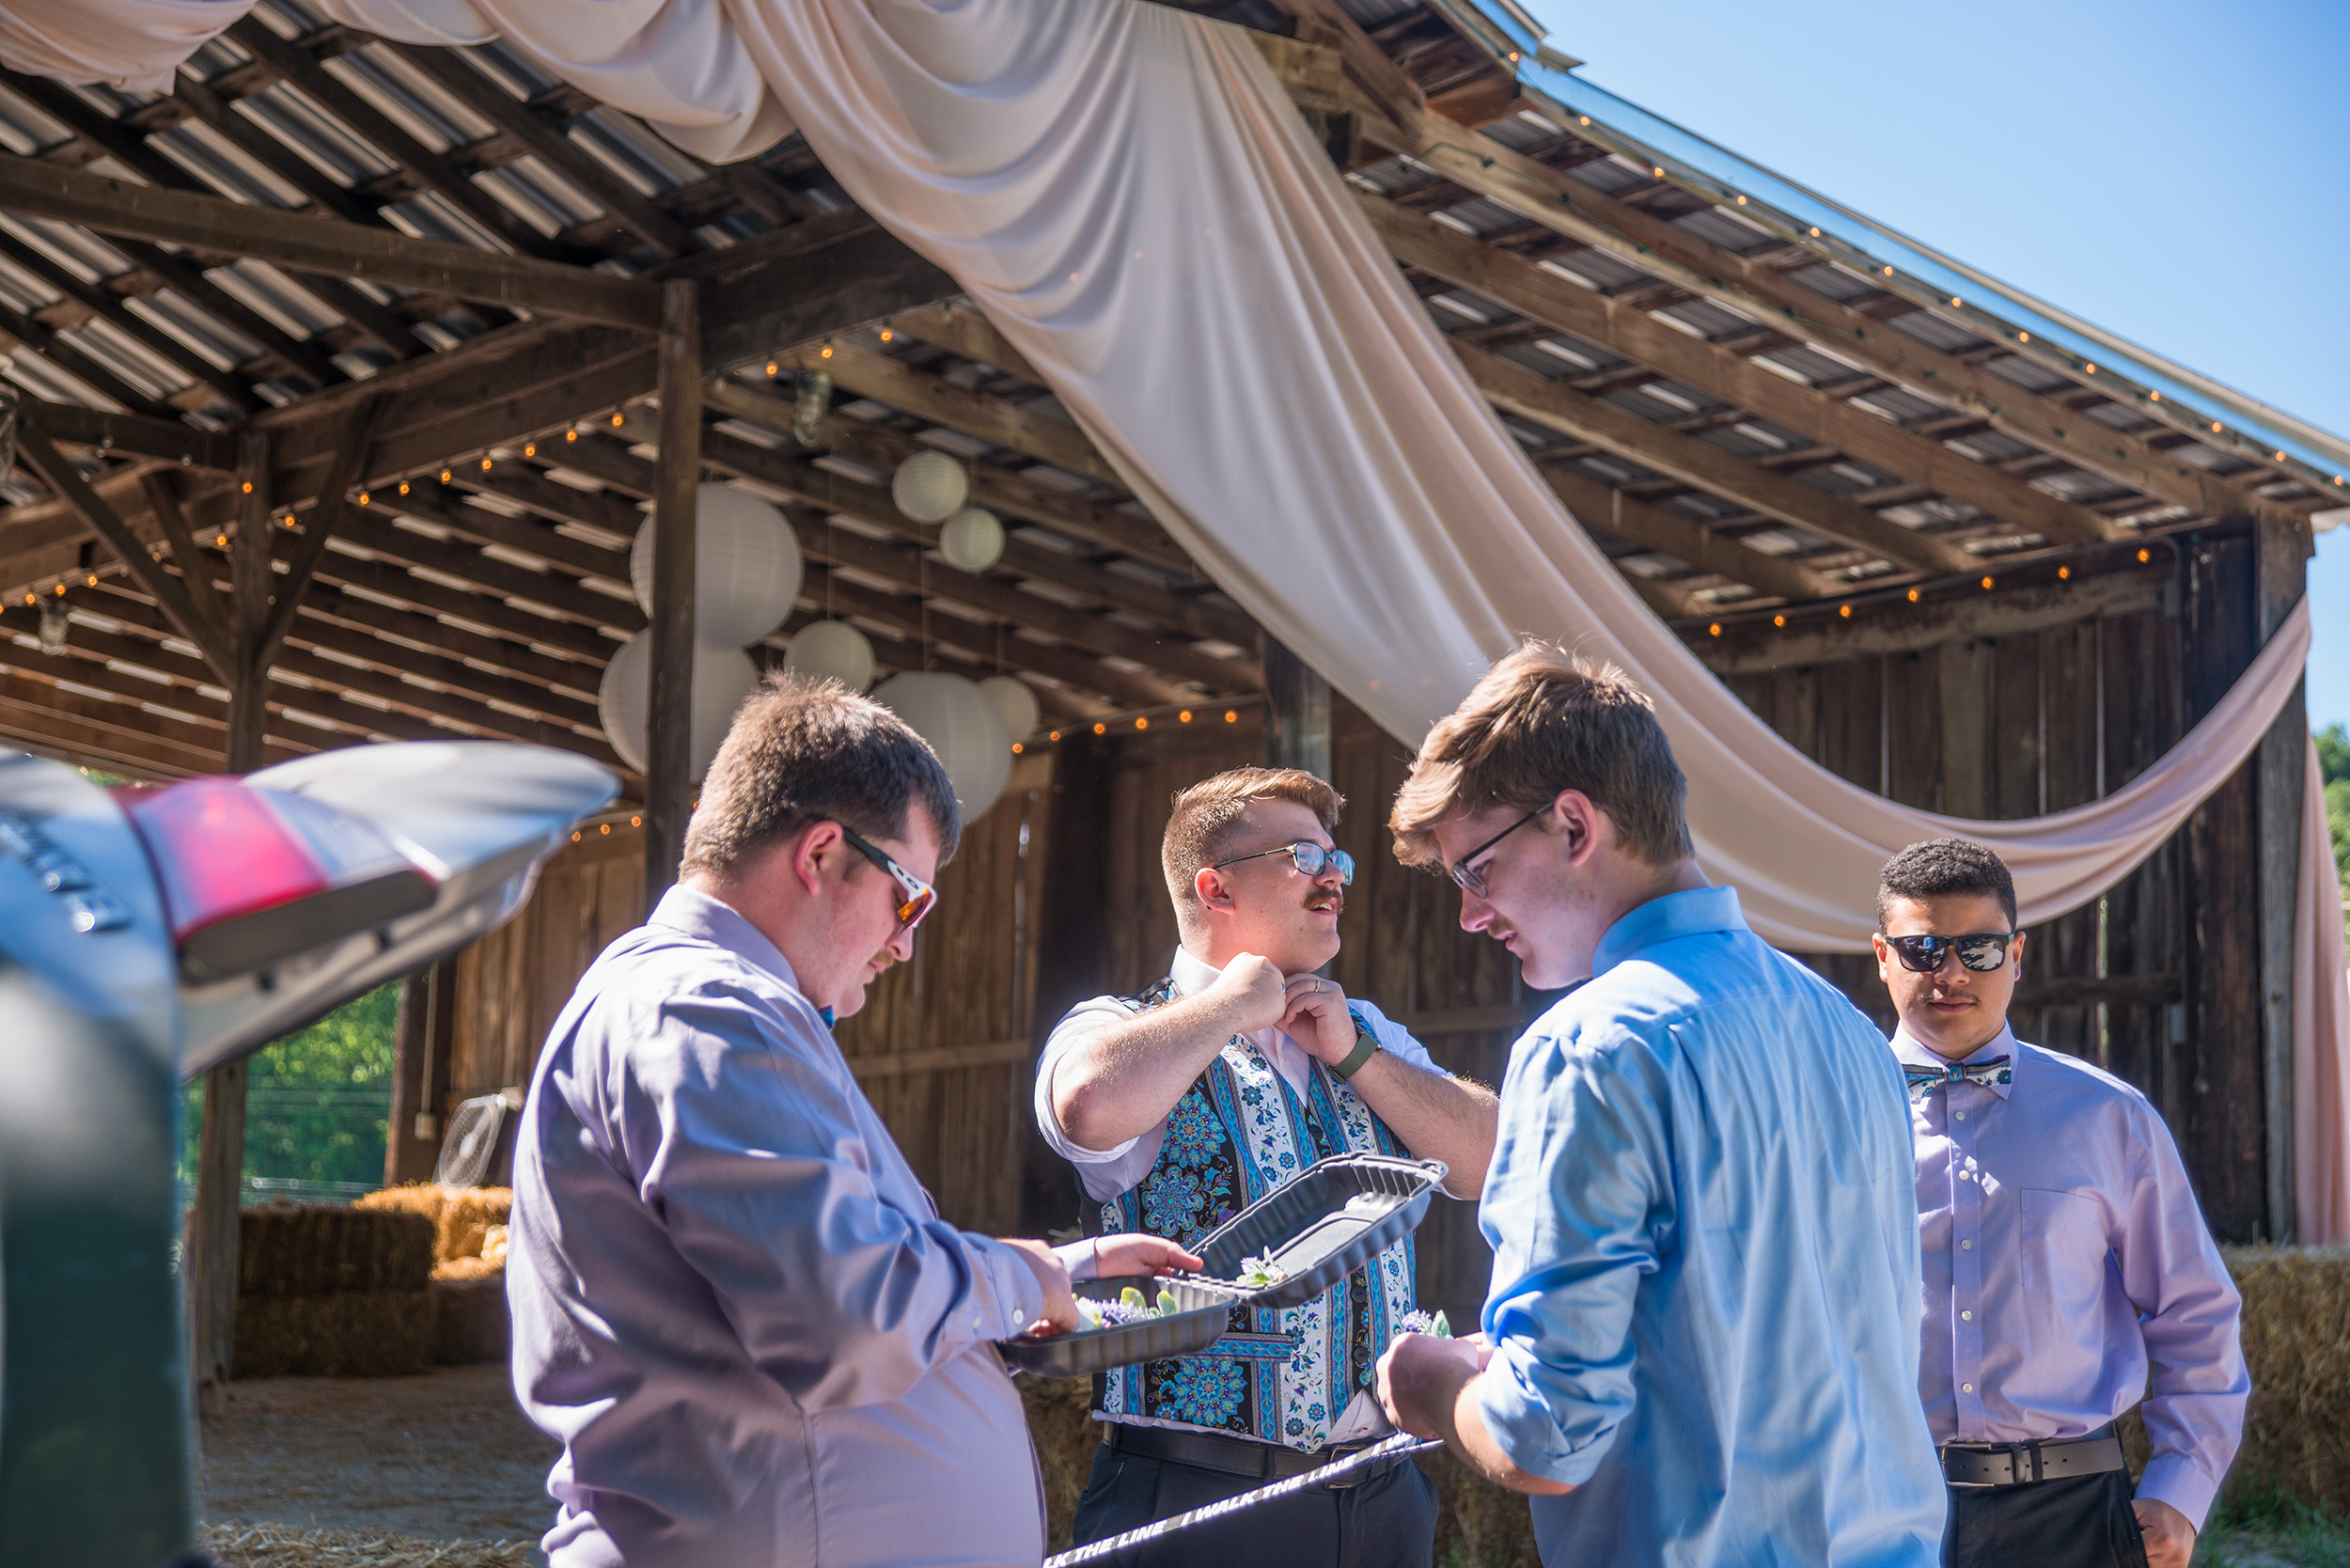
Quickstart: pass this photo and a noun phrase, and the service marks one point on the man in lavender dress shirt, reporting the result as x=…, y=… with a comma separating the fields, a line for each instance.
x=734, y=1302
x=2064, y=1255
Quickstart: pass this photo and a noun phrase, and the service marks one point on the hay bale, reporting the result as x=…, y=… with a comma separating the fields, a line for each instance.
x=2296, y=1342
x=462, y=1217
x=472, y=1322
x=1060, y=1422
x=347, y=1334
x=288, y=1251
x=275, y=1545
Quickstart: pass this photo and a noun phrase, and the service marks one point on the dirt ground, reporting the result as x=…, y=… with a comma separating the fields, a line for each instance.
x=445, y=1456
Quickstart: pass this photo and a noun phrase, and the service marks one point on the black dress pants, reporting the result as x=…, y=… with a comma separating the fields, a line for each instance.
x=2081, y=1521
x=1389, y=1521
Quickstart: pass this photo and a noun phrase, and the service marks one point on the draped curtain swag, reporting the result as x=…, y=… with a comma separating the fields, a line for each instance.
x=1129, y=196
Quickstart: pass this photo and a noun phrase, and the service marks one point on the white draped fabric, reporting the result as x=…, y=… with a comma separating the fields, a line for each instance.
x=1127, y=192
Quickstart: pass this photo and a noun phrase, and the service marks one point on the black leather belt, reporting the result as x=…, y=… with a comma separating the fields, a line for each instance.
x=1237, y=1456
x=2023, y=1463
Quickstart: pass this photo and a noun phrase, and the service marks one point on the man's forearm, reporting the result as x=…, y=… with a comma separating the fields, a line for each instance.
x=1121, y=1081
x=1437, y=1116
x=1462, y=1425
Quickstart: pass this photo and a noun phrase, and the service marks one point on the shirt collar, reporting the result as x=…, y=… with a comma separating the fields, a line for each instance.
x=715, y=921
x=1191, y=973
x=2002, y=1043
x=1663, y=919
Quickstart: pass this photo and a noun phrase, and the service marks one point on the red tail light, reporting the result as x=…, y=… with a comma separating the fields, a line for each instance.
x=252, y=877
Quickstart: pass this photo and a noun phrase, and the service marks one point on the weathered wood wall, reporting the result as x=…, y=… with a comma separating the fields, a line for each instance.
x=2157, y=980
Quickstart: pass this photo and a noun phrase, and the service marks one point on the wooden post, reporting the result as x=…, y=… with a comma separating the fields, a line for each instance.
x=412, y=1141
x=1297, y=713
x=2281, y=551
x=1072, y=950
x=668, y=754
x=220, y=1145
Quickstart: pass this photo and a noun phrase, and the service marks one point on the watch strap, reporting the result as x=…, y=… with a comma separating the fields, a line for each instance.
x=1366, y=1046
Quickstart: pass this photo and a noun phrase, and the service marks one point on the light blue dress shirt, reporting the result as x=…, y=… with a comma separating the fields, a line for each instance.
x=734, y=1303
x=1706, y=1270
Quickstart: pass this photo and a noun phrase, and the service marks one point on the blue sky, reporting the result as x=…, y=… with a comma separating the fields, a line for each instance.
x=2178, y=173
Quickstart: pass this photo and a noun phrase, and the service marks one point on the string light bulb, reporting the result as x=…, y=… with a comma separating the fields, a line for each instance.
x=1142, y=721
x=220, y=542
x=1888, y=269
x=2215, y=426
x=824, y=352
x=2145, y=556
x=1986, y=584
x=2154, y=397
x=531, y=448
x=571, y=435
x=2064, y=573
x=636, y=821
x=447, y=476
x=2023, y=338
x=404, y=487
x=773, y=368
x=1815, y=232
x=1845, y=610
x=605, y=829
x=1742, y=201
x=1230, y=717
x=90, y=581
x=1779, y=621
x=1913, y=596
x=1100, y=728
x=485, y=465
x=617, y=418
x=1583, y=119
x=1183, y=717
x=2281, y=457
x=887, y=336
x=1017, y=749
x=1657, y=170
x=2091, y=368
x=1715, y=630
x=1053, y=735
x=365, y=497
x=247, y=487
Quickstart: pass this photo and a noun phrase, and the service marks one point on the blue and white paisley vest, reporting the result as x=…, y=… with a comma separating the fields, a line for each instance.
x=1239, y=1132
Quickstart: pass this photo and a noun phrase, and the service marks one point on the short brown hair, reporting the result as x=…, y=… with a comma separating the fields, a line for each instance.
x=1208, y=815
x=1937, y=868
x=1541, y=721
x=802, y=751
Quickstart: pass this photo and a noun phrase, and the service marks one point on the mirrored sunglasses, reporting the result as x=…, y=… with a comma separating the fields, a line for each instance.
x=1311, y=860
x=919, y=896
x=1982, y=952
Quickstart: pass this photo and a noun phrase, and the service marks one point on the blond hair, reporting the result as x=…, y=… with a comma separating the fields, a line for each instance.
x=1208, y=817
x=1541, y=721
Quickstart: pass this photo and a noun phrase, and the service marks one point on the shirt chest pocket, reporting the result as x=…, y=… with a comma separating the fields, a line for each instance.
x=2061, y=1237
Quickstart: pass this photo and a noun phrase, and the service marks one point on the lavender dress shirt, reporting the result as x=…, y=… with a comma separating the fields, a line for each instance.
x=2064, y=1257
x=734, y=1303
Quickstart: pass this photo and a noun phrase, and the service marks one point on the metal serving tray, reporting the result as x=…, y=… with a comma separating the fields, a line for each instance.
x=1336, y=1217
x=1207, y=1312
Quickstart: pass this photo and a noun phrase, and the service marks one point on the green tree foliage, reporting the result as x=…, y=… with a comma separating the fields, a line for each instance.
x=317, y=1102
x=2333, y=758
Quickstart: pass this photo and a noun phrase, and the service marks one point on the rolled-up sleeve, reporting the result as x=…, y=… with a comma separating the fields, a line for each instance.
x=1575, y=1202
x=2190, y=1321
x=746, y=1143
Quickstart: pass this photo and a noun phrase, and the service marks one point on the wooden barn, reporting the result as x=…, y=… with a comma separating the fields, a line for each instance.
x=349, y=370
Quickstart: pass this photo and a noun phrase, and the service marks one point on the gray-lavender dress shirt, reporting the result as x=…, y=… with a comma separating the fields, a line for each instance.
x=2065, y=1260
x=734, y=1303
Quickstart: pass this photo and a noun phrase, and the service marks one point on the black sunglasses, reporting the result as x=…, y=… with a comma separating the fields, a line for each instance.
x=919, y=896
x=1309, y=857
x=1472, y=877
x=1982, y=952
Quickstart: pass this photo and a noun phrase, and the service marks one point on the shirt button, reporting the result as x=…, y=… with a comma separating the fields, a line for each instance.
x=1965, y=1317
x=1961, y=1114
x=1965, y=1246
x=1965, y=1387
x=976, y=1327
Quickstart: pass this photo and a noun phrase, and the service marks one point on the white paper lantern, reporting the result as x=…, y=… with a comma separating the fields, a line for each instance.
x=834, y=650
x=962, y=726
x=723, y=677
x=930, y=487
x=746, y=566
x=1017, y=700
x=972, y=540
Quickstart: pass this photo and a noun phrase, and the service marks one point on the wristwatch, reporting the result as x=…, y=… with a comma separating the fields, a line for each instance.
x=1366, y=1048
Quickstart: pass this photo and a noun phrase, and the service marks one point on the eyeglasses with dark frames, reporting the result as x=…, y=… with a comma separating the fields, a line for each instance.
x=1472, y=877
x=1982, y=952
x=1310, y=859
x=920, y=897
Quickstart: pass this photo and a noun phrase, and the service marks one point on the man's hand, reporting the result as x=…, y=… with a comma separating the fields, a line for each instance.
x=1314, y=1014
x=1249, y=993
x=1060, y=1306
x=1117, y=1257
x=2170, y=1539
x=1420, y=1379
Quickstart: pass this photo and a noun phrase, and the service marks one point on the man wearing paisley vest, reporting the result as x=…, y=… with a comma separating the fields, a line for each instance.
x=1184, y=1103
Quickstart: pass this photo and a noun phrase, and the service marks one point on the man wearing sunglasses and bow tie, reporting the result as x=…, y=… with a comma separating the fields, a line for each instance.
x=2064, y=1255
x=1189, y=1100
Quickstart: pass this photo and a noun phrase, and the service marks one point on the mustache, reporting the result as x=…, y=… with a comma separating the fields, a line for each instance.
x=1321, y=899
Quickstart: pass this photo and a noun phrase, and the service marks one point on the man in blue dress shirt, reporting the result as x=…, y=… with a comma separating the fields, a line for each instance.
x=734, y=1303
x=2065, y=1257
x=1698, y=1346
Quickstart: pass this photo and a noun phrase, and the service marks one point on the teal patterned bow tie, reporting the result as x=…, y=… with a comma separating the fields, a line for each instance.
x=1924, y=1079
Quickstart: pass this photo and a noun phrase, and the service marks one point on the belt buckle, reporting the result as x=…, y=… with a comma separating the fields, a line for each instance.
x=2006, y=1451
x=1353, y=1479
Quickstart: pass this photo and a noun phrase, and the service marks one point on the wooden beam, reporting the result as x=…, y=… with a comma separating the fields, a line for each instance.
x=583, y=608
x=962, y=327
x=1659, y=529
x=308, y=244
x=135, y=434
x=42, y=717
x=1625, y=330
x=669, y=769
x=210, y=602
x=206, y=380
x=1532, y=396
x=317, y=526
x=61, y=475
x=1666, y=250
x=942, y=402
x=1296, y=730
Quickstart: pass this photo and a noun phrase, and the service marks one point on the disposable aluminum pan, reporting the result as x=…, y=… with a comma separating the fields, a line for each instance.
x=1206, y=1312
x=1336, y=1217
